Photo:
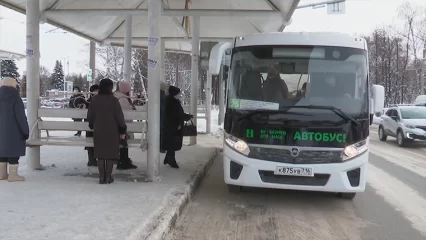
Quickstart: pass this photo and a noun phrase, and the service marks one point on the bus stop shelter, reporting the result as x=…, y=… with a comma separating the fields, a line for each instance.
x=158, y=24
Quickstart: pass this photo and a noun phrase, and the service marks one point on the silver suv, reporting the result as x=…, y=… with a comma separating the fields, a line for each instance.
x=406, y=123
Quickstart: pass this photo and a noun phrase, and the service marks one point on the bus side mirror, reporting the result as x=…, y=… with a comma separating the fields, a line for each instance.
x=378, y=98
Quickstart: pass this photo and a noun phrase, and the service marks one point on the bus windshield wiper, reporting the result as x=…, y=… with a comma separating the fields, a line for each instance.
x=267, y=111
x=335, y=110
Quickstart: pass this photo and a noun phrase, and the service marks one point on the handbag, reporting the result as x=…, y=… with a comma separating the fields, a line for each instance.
x=189, y=130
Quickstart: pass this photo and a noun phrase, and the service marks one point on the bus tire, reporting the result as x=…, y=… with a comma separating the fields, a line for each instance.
x=346, y=195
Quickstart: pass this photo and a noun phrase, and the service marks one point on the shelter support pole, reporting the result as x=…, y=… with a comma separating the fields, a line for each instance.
x=162, y=61
x=195, y=27
x=127, y=47
x=92, y=59
x=221, y=95
x=154, y=14
x=33, y=77
x=209, y=103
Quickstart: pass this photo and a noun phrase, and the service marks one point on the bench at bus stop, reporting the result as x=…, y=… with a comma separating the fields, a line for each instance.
x=60, y=120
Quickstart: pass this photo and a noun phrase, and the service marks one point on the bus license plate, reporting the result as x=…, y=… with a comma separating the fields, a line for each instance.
x=295, y=171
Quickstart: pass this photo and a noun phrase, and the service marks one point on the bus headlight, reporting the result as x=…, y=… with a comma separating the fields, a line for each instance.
x=354, y=150
x=237, y=144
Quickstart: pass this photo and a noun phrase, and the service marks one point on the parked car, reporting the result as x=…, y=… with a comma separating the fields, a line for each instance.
x=405, y=123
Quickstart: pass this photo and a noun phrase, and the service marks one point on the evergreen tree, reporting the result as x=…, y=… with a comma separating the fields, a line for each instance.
x=57, y=77
x=24, y=86
x=9, y=69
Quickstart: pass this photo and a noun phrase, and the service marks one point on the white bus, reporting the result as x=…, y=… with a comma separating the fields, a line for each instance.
x=299, y=107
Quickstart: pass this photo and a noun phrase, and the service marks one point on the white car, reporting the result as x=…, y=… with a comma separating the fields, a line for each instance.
x=405, y=123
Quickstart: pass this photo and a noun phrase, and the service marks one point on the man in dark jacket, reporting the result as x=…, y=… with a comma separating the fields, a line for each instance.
x=90, y=150
x=174, y=119
x=14, y=130
x=274, y=88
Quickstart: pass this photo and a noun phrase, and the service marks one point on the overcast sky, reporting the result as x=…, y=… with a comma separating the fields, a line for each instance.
x=361, y=17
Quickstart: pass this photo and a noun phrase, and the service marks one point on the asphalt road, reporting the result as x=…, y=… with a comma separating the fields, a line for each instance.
x=392, y=208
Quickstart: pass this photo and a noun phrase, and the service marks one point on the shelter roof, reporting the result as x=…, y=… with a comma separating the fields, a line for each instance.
x=8, y=55
x=220, y=20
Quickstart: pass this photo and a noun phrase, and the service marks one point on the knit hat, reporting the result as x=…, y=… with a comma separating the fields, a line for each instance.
x=124, y=86
x=173, y=91
x=9, y=82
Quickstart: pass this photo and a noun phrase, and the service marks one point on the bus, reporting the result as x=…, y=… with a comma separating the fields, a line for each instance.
x=298, y=111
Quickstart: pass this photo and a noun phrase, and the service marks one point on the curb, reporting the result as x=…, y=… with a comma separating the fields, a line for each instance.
x=161, y=222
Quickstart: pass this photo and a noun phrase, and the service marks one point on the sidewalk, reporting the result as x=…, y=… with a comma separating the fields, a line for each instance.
x=65, y=202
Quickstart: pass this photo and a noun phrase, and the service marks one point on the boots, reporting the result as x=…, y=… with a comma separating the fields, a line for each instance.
x=13, y=174
x=92, y=161
x=125, y=163
x=171, y=159
x=102, y=171
x=172, y=162
x=108, y=169
x=3, y=171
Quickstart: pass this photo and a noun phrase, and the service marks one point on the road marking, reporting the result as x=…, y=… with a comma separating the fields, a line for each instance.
x=403, y=198
x=410, y=163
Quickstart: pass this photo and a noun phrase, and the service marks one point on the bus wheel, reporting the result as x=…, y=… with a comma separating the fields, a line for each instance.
x=234, y=188
x=349, y=196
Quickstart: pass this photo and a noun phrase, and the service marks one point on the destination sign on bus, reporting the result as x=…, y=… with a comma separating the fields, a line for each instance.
x=297, y=135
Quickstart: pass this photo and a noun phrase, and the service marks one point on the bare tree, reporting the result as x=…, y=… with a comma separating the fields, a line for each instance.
x=413, y=17
x=45, y=83
x=112, y=58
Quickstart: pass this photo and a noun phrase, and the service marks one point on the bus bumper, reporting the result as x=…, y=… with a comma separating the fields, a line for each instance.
x=349, y=176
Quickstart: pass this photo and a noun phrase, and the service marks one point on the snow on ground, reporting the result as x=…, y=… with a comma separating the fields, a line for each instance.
x=65, y=202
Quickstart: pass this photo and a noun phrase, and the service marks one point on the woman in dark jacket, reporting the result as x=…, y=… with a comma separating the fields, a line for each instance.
x=174, y=120
x=14, y=130
x=106, y=119
x=77, y=100
x=90, y=150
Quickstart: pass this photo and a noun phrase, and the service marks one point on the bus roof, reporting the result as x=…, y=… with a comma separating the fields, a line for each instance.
x=302, y=38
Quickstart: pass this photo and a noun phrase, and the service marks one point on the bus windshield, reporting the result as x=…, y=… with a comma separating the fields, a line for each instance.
x=272, y=77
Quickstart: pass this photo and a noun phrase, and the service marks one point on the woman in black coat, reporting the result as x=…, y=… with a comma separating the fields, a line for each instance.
x=174, y=120
x=106, y=119
x=90, y=150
